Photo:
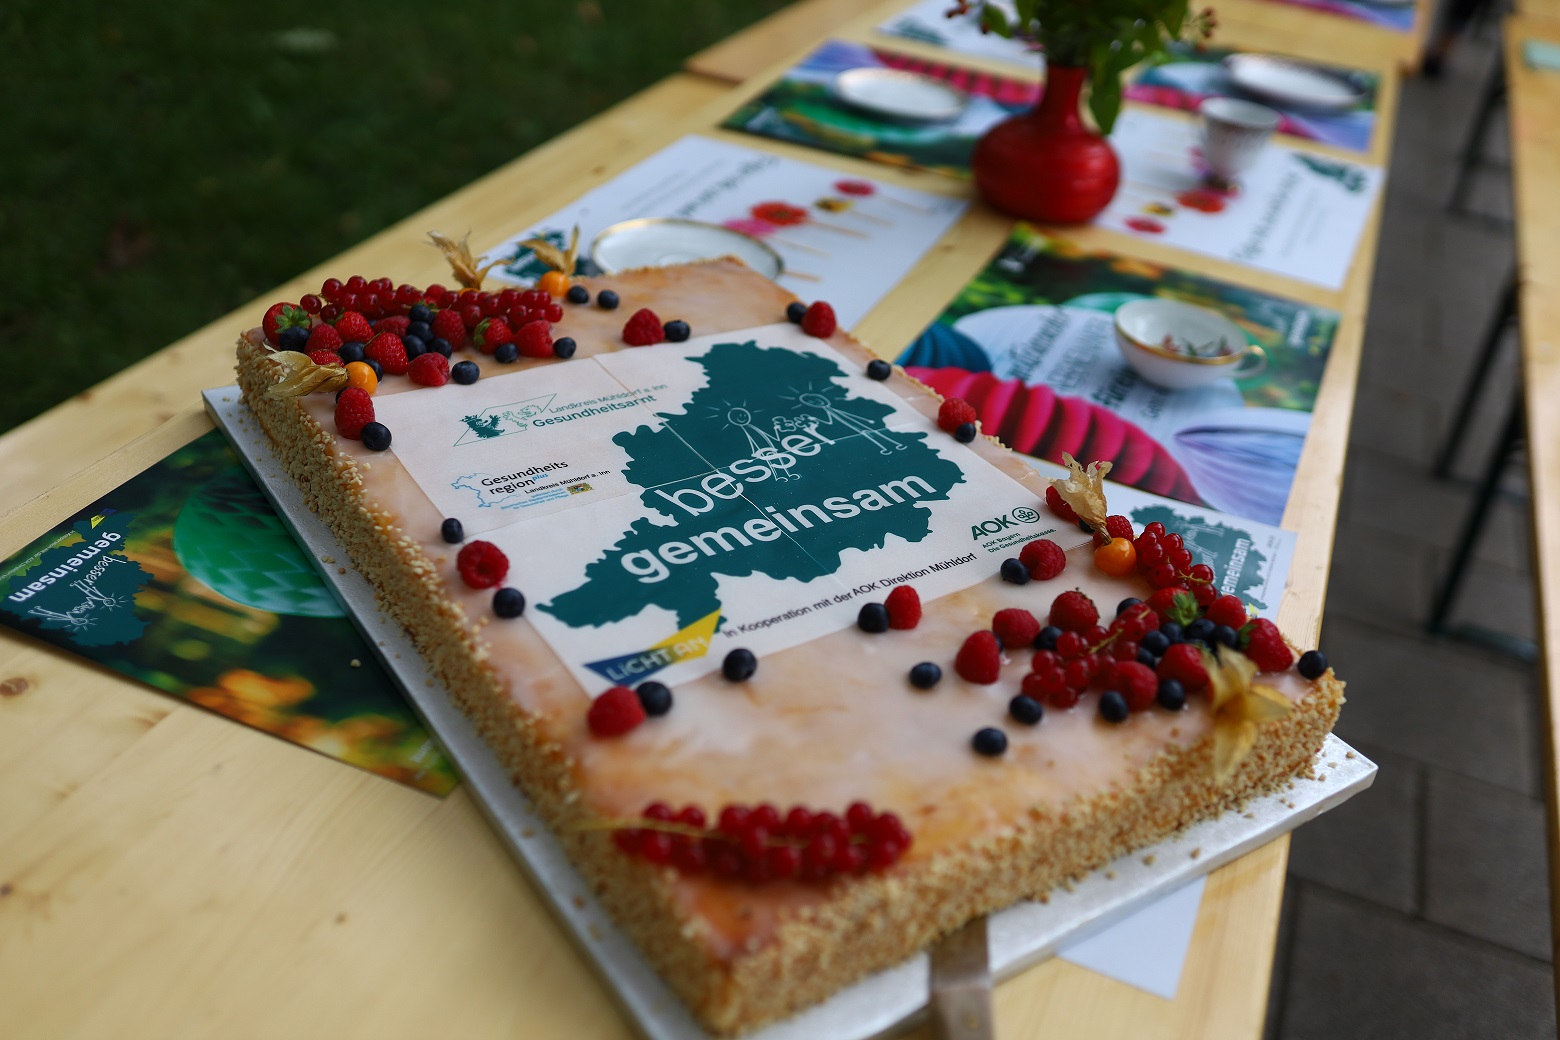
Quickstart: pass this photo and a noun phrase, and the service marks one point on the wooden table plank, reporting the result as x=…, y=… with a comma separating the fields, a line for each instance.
x=1534, y=101
x=256, y=888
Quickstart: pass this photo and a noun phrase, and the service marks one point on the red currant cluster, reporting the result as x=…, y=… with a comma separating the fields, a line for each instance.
x=759, y=845
x=1165, y=561
x=1106, y=656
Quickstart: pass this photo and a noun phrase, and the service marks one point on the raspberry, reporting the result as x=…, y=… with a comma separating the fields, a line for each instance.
x=447, y=326
x=398, y=325
x=980, y=658
x=324, y=357
x=1058, y=505
x=1072, y=611
x=1015, y=628
x=819, y=321
x=614, y=713
x=1174, y=604
x=904, y=607
x=955, y=412
x=354, y=410
x=1044, y=558
x=1227, y=610
x=1265, y=645
x=643, y=329
x=323, y=337
x=387, y=349
x=483, y=565
x=1119, y=527
x=534, y=339
x=429, y=369
x=1183, y=663
x=1137, y=683
x=352, y=327
x=493, y=333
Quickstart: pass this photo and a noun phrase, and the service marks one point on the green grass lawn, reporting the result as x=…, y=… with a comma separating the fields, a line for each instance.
x=169, y=162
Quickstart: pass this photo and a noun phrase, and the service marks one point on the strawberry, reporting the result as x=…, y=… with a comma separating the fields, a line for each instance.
x=1044, y=558
x=980, y=658
x=1175, y=603
x=1183, y=662
x=1015, y=627
x=482, y=565
x=323, y=337
x=397, y=324
x=283, y=316
x=324, y=357
x=535, y=339
x=1137, y=683
x=904, y=607
x=819, y=321
x=1057, y=504
x=955, y=412
x=1265, y=645
x=429, y=369
x=448, y=327
x=615, y=712
x=643, y=329
x=352, y=327
x=1072, y=611
x=1227, y=610
x=354, y=410
x=491, y=334
x=387, y=349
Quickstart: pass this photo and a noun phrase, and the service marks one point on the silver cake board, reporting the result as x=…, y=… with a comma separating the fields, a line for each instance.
x=1019, y=936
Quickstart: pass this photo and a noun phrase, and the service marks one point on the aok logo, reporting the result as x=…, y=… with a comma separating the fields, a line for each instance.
x=998, y=524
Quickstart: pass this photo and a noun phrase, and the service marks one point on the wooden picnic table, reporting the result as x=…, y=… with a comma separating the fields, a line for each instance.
x=1534, y=100
x=165, y=872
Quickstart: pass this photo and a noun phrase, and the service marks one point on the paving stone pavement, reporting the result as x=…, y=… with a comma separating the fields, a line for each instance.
x=1421, y=908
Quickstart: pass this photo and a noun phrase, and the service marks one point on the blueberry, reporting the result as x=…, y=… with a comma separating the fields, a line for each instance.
x=1155, y=642
x=879, y=369
x=1171, y=695
x=1113, y=707
x=654, y=697
x=1202, y=629
x=1083, y=525
x=965, y=433
x=452, y=531
x=440, y=345
x=925, y=675
x=415, y=346
x=379, y=370
x=607, y=300
x=990, y=741
x=1172, y=632
x=873, y=617
x=506, y=354
x=294, y=337
x=340, y=392
x=1047, y=638
x=1025, y=709
x=577, y=294
x=676, y=331
x=421, y=329
x=1126, y=605
x=420, y=312
x=1313, y=664
x=740, y=664
x=351, y=352
x=508, y=603
x=465, y=372
x=1014, y=571
x=1147, y=657
x=1226, y=635
x=376, y=436
x=795, y=311
x=563, y=347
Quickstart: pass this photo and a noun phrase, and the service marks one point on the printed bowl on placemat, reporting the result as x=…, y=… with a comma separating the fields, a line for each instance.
x=1296, y=84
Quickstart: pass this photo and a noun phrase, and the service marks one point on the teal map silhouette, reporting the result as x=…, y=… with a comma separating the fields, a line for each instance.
x=772, y=467
x=1231, y=552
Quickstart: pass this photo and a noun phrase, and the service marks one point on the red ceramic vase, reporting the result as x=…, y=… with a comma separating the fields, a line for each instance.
x=1046, y=165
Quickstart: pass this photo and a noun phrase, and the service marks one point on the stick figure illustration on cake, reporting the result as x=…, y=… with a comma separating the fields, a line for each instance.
x=832, y=413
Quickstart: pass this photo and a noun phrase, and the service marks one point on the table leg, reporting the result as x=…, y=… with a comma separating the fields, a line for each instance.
x=1504, y=315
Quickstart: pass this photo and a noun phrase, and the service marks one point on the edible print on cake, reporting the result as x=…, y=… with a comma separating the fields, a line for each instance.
x=772, y=488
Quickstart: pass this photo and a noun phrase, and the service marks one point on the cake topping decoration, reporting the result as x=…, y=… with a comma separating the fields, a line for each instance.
x=376, y=436
x=429, y=370
x=677, y=331
x=508, y=602
x=1313, y=664
x=1083, y=489
x=654, y=697
x=1239, y=706
x=879, y=369
x=1113, y=707
x=482, y=565
x=925, y=675
x=739, y=665
x=362, y=377
x=607, y=300
x=297, y=375
x=1025, y=709
x=643, y=329
x=966, y=432
x=577, y=294
x=980, y=658
x=904, y=607
x=281, y=316
x=464, y=265
x=1015, y=627
x=452, y=531
x=819, y=321
x=989, y=741
x=562, y=261
x=953, y=413
x=563, y=347
x=795, y=311
x=465, y=372
x=354, y=410
x=872, y=617
x=1044, y=558
x=1072, y=611
x=615, y=712
x=1014, y=571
